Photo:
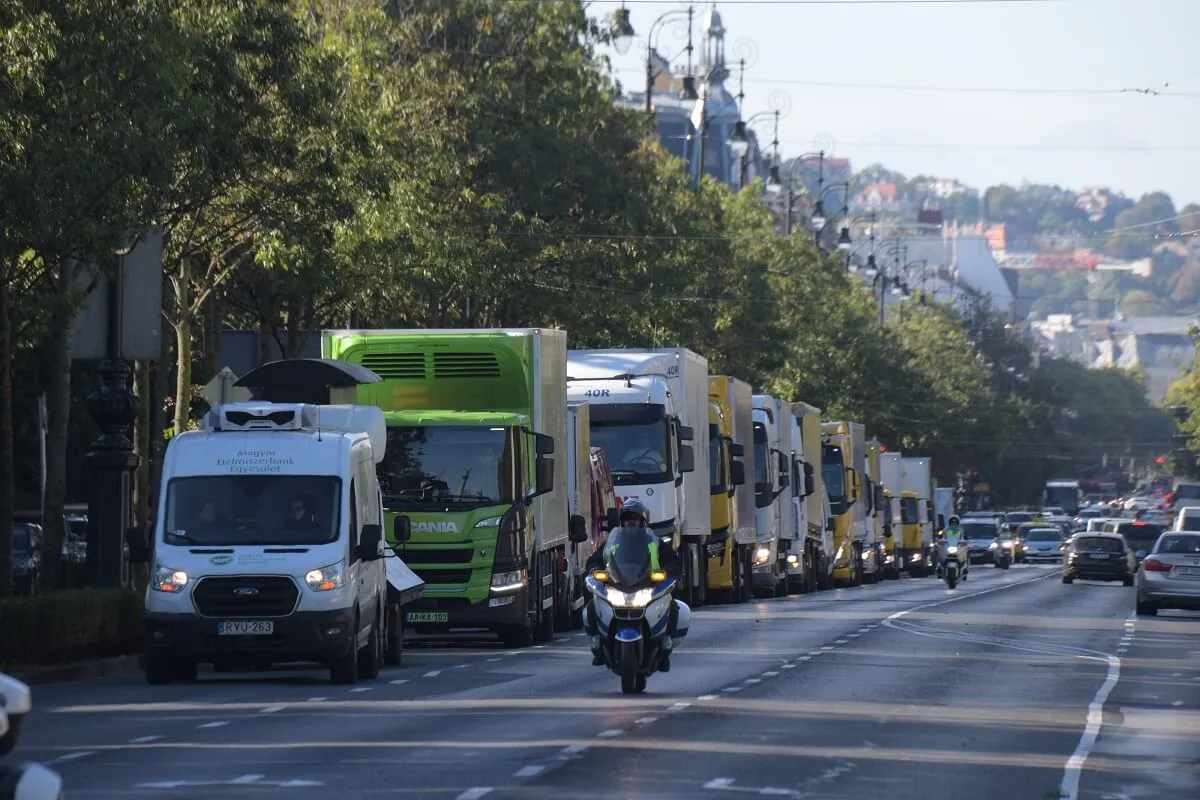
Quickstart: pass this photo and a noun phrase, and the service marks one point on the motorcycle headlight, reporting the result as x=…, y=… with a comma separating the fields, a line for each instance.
x=1007, y=545
x=619, y=599
x=992, y=546
x=952, y=550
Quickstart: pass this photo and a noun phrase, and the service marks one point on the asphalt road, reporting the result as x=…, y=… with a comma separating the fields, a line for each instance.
x=1013, y=686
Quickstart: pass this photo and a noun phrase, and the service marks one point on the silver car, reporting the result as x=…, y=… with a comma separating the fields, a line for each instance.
x=1169, y=575
x=1044, y=544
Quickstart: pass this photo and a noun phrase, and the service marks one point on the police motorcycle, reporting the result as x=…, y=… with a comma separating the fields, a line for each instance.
x=21, y=781
x=1002, y=552
x=953, y=569
x=632, y=598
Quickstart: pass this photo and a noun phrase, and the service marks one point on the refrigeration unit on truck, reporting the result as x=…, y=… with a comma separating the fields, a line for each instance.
x=730, y=549
x=268, y=545
x=873, y=497
x=891, y=472
x=917, y=547
x=476, y=419
x=843, y=457
x=776, y=531
x=646, y=409
x=819, y=537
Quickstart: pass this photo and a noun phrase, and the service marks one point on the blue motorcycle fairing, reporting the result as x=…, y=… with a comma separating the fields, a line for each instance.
x=628, y=634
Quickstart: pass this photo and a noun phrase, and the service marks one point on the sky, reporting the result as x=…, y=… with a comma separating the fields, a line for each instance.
x=985, y=91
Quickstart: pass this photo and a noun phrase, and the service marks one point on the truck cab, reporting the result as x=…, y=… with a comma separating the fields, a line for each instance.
x=730, y=547
x=772, y=498
x=268, y=543
x=842, y=460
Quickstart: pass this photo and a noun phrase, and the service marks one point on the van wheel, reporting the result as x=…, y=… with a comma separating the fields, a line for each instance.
x=393, y=652
x=370, y=658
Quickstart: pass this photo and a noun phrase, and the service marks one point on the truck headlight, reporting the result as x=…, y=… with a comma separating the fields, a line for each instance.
x=168, y=579
x=762, y=555
x=326, y=579
x=508, y=581
x=490, y=522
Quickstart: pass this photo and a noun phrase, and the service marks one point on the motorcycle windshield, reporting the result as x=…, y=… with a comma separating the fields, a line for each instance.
x=628, y=556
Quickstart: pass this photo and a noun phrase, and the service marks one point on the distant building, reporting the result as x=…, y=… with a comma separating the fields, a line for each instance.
x=881, y=198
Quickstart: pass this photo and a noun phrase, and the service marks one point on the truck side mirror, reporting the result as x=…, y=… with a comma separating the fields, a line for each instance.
x=543, y=444
x=737, y=450
x=785, y=477
x=17, y=700
x=369, y=541
x=544, y=475
x=139, y=551
x=577, y=531
x=737, y=471
x=687, y=458
x=612, y=519
x=687, y=433
x=401, y=528
x=809, y=485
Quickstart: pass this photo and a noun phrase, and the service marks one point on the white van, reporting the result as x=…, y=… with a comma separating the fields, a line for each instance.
x=1188, y=519
x=268, y=547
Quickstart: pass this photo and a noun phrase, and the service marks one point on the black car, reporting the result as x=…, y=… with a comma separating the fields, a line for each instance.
x=1098, y=557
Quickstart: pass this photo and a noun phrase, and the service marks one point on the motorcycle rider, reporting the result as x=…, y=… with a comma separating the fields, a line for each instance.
x=952, y=536
x=635, y=514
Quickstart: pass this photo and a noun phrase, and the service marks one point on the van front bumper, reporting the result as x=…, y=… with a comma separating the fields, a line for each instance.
x=318, y=636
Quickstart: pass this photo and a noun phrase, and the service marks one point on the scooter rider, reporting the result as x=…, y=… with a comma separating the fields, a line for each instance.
x=634, y=514
x=953, y=536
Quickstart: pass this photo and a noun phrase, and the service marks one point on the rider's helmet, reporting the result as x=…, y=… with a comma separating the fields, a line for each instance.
x=634, y=514
x=953, y=522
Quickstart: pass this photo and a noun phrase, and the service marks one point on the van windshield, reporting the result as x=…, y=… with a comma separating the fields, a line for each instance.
x=253, y=510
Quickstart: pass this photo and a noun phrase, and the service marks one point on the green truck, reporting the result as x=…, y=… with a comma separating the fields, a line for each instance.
x=475, y=419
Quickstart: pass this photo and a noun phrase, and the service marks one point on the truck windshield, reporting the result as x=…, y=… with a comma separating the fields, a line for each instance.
x=252, y=510
x=834, y=474
x=908, y=511
x=761, y=454
x=635, y=439
x=449, y=468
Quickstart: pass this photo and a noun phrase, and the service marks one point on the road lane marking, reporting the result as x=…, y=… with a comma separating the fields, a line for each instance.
x=144, y=739
x=361, y=689
x=608, y=734
x=719, y=783
x=317, y=699
x=732, y=689
x=272, y=709
x=645, y=720
x=753, y=680
x=71, y=756
x=217, y=724
x=841, y=641
x=707, y=697
x=475, y=793
x=678, y=707
x=400, y=681
x=529, y=771
x=574, y=750
x=1069, y=789
x=432, y=673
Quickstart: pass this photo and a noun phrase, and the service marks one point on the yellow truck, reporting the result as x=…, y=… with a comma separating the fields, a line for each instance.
x=891, y=474
x=730, y=547
x=873, y=497
x=818, y=548
x=843, y=457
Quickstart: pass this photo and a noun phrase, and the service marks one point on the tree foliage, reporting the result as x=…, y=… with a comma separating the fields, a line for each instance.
x=319, y=163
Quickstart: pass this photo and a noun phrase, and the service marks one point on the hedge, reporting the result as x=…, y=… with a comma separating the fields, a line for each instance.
x=72, y=625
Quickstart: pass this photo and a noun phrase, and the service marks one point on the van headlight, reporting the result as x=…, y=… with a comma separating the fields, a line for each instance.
x=326, y=579
x=168, y=579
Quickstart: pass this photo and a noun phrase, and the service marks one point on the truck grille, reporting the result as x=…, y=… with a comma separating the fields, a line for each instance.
x=246, y=596
x=443, y=576
x=457, y=556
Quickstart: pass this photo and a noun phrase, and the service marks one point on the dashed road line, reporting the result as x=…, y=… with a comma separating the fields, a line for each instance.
x=217, y=724
x=361, y=689
x=732, y=689
x=272, y=709
x=475, y=793
x=814, y=652
x=317, y=699
x=433, y=673
x=827, y=649
x=707, y=697
x=770, y=674
x=841, y=641
x=574, y=750
x=752, y=680
x=645, y=720
x=494, y=659
x=610, y=733
x=71, y=756
x=678, y=706
x=529, y=771
x=144, y=739
x=793, y=666
x=400, y=681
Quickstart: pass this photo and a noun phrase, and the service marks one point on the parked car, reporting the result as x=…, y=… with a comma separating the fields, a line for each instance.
x=1169, y=575
x=1098, y=557
x=26, y=557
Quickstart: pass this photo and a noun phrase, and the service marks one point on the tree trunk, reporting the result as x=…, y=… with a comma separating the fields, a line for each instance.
x=183, y=348
x=143, y=387
x=58, y=412
x=7, y=500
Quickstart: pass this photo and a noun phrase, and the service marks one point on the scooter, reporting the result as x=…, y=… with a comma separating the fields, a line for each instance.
x=21, y=781
x=632, y=621
x=953, y=571
x=1002, y=554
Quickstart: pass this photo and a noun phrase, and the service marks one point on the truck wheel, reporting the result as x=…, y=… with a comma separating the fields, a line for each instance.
x=393, y=653
x=370, y=657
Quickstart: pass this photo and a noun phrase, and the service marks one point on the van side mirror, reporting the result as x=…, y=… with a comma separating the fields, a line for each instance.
x=401, y=529
x=737, y=471
x=18, y=702
x=543, y=444
x=687, y=458
x=370, y=541
x=544, y=475
x=809, y=485
x=577, y=531
x=612, y=519
x=139, y=551
x=737, y=450
x=687, y=433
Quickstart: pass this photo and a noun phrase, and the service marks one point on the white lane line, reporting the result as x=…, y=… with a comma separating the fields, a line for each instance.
x=361, y=689
x=841, y=641
x=461, y=666
x=1177, y=703
x=769, y=674
x=317, y=699
x=707, y=697
x=804, y=658
x=433, y=673
x=719, y=783
x=753, y=680
x=400, y=681
x=814, y=653
x=475, y=793
x=574, y=749
x=217, y=724
x=493, y=659
x=529, y=771
x=645, y=720
x=732, y=689
x=272, y=709
x=608, y=734
x=827, y=649
x=678, y=707
x=790, y=666
x=864, y=630
x=71, y=756
x=853, y=635
x=1069, y=789
x=144, y=739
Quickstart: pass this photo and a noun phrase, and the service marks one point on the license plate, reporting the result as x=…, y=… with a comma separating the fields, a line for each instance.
x=427, y=616
x=246, y=628
x=1189, y=570
x=1099, y=555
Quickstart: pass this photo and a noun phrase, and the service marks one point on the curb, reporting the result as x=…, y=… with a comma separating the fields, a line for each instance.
x=81, y=670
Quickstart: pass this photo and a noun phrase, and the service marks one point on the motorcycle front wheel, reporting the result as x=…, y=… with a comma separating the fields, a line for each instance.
x=629, y=668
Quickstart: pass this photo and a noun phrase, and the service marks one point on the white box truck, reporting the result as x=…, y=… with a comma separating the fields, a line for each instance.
x=580, y=499
x=774, y=519
x=646, y=408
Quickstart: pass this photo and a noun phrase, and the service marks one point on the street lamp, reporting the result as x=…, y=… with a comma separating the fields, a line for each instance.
x=739, y=142
x=622, y=26
x=844, y=242
x=818, y=217
x=622, y=30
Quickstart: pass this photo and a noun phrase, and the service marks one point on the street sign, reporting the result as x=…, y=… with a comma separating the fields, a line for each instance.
x=220, y=389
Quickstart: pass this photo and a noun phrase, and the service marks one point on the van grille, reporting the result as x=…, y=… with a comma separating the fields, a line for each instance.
x=246, y=596
x=396, y=366
x=465, y=365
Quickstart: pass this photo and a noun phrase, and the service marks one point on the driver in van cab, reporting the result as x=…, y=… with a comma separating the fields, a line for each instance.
x=300, y=514
x=208, y=517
